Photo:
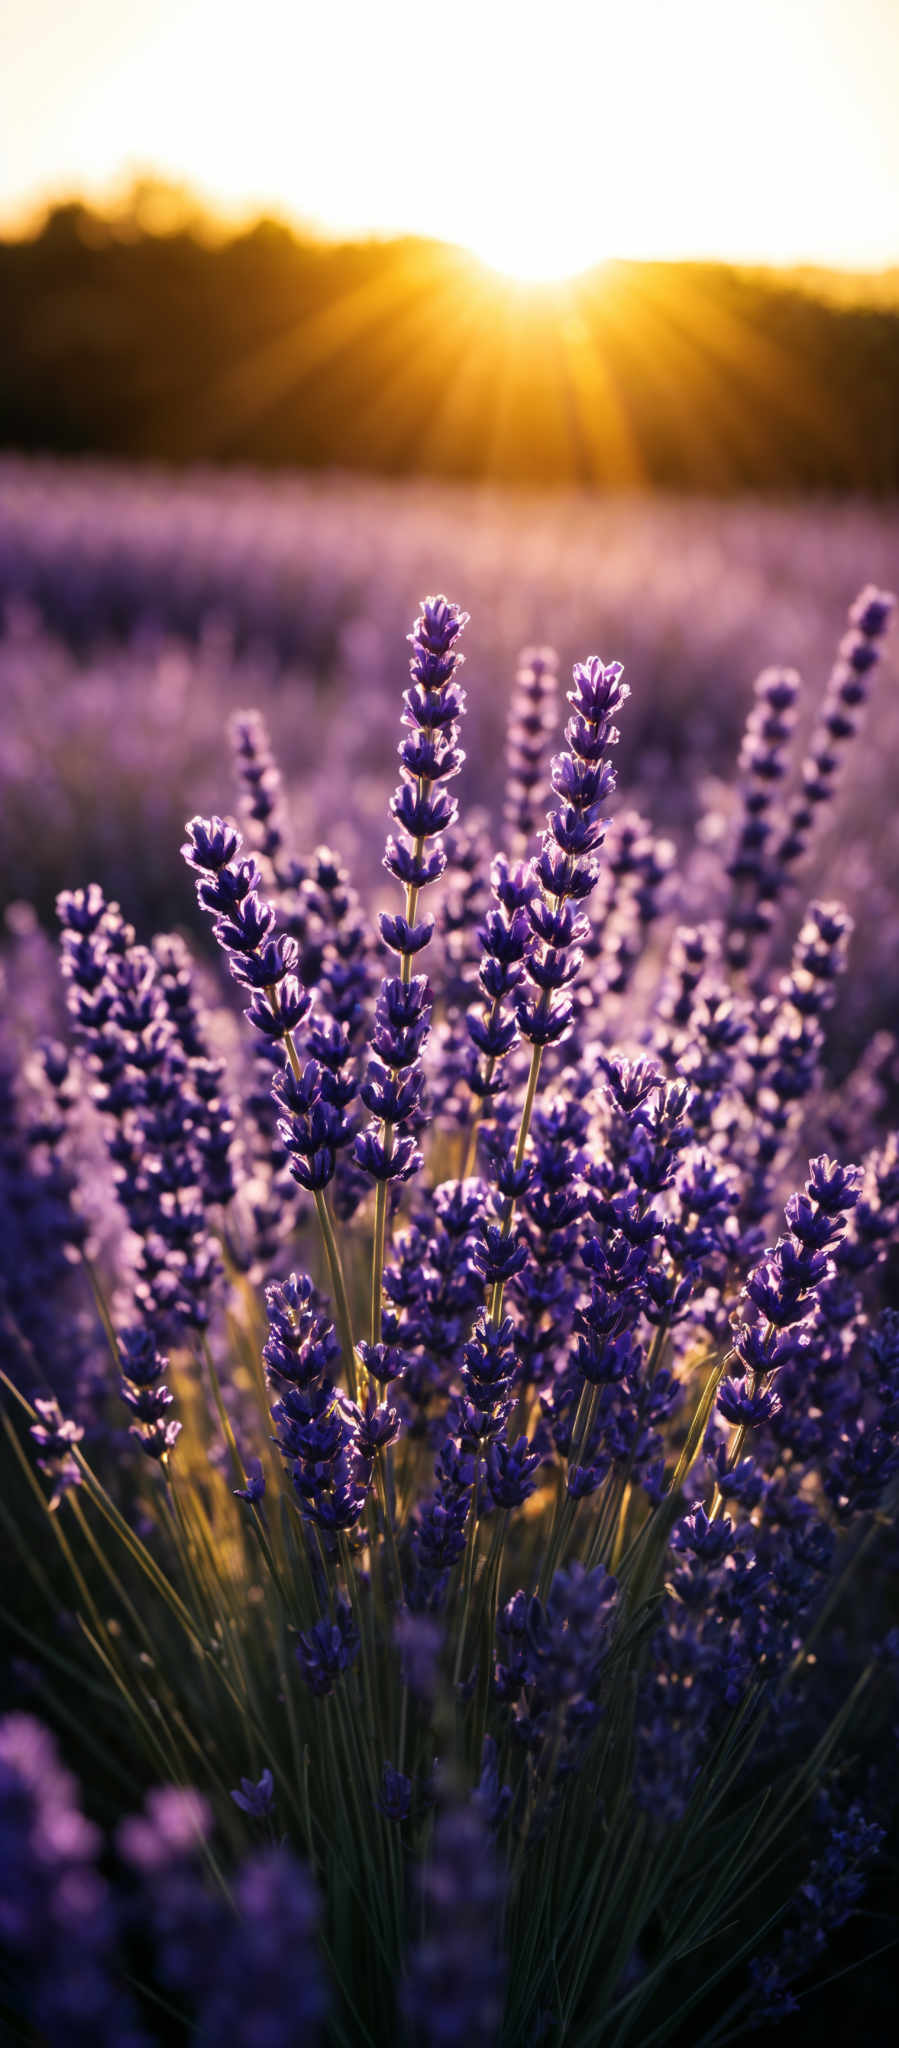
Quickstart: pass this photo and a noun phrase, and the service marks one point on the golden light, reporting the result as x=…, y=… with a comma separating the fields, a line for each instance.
x=537, y=251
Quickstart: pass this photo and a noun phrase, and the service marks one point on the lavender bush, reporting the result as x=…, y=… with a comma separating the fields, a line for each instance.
x=452, y=1404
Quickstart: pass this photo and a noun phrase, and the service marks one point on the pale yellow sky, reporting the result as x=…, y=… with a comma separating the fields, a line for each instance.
x=544, y=136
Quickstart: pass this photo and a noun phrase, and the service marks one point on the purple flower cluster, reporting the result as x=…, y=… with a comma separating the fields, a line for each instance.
x=138, y=1038
x=453, y=1994
x=261, y=959
x=143, y=1390
x=320, y=1433
x=835, y=1884
x=58, y=1921
x=781, y=1292
x=844, y=700
x=765, y=857
x=532, y=725
x=56, y=1438
x=567, y=869
x=235, y=1967
x=763, y=766
x=553, y=1668
x=423, y=810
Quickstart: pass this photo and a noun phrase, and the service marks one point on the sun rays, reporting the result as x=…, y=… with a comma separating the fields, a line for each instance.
x=624, y=372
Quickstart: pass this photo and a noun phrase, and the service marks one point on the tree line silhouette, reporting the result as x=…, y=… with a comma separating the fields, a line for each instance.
x=263, y=347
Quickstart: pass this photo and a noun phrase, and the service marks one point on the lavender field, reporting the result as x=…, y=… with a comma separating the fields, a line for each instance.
x=449, y=1294
x=140, y=611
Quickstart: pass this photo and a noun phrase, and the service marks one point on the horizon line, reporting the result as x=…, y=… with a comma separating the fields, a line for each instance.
x=178, y=207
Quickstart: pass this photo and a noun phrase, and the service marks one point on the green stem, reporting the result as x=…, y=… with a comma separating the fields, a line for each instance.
x=338, y=1289
x=102, y=1310
x=485, y=1629
x=377, y=1248
x=565, y=1507
x=222, y=1412
x=389, y=1531
x=527, y=1110
x=353, y=1595
x=404, y=1720
x=468, y=1569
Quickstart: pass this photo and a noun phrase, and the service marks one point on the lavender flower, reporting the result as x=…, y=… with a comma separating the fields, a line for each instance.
x=831, y=1892
x=260, y=958
x=56, y=1438
x=118, y=1004
x=781, y=1292
x=763, y=765
x=318, y=1431
x=260, y=782
x=328, y=1649
x=567, y=869
x=142, y=1369
x=454, y=1989
x=267, y=1967
x=255, y=1798
x=846, y=693
x=59, y=1924
x=429, y=757
x=532, y=717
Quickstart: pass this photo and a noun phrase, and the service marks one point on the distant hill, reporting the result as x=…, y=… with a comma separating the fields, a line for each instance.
x=261, y=347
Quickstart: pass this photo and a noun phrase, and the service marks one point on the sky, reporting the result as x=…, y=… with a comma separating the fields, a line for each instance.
x=543, y=136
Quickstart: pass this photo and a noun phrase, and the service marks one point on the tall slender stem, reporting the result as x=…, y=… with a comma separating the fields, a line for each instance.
x=379, y=1237
x=338, y=1289
x=223, y=1416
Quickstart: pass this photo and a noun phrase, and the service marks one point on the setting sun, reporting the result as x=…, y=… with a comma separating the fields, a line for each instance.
x=537, y=249
x=526, y=260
